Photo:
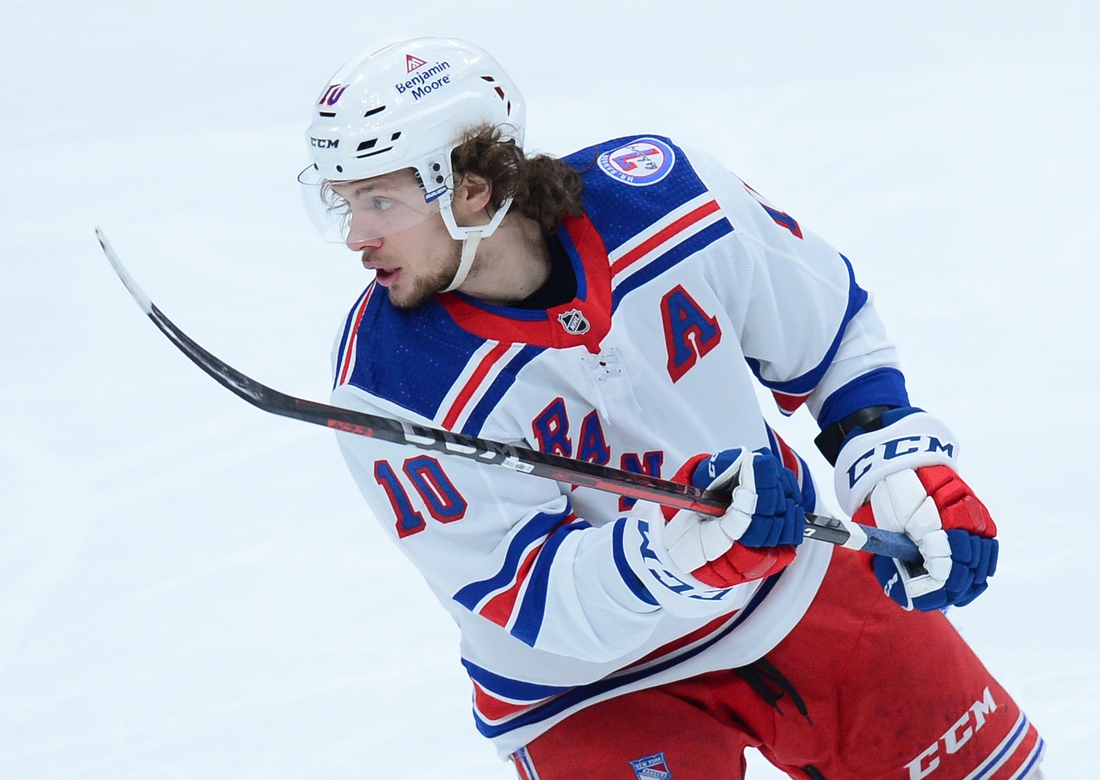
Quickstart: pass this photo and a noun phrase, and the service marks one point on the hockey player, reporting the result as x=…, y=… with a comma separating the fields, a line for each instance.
x=614, y=306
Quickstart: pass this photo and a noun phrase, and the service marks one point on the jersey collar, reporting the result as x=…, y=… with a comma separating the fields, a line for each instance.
x=583, y=321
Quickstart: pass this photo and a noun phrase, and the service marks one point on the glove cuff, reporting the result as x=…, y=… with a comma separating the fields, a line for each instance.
x=910, y=439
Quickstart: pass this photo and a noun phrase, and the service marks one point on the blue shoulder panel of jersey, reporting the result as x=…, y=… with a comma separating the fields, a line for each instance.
x=632, y=182
x=411, y=358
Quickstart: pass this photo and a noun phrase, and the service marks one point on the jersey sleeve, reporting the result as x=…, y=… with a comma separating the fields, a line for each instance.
x=507, y=548
x=808, y=331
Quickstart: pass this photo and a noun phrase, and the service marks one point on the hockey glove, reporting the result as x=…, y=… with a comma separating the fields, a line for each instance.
x=756, y=536
x=906, y=469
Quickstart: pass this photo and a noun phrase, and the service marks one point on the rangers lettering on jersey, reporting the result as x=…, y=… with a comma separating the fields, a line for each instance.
x=649, y=463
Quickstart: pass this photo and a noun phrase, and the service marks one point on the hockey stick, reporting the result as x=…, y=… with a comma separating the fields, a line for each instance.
x=837, y=531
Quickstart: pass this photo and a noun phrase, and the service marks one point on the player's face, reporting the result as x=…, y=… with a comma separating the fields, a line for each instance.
x=402, y=239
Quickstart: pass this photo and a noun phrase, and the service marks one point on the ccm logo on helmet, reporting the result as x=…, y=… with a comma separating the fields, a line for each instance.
x=896, y=448
x=425, y=82
x=324, y=143
x=955, y=737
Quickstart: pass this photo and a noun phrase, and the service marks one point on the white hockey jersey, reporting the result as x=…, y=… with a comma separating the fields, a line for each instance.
x=688, y=284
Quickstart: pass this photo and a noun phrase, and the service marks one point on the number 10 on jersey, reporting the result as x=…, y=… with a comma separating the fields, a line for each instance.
x=442, y=500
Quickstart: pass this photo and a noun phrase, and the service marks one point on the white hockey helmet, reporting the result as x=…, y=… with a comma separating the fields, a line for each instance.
x=405, y=103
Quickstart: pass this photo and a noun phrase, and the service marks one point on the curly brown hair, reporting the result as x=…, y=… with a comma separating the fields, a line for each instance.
x=542, y=187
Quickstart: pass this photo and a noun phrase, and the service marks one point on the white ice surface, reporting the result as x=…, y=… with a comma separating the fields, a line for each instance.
x=192, y=589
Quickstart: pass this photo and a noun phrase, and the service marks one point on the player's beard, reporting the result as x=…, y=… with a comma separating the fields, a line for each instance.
x=427, y=286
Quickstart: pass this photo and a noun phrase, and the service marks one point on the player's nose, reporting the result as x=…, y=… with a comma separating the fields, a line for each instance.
x=358, y=244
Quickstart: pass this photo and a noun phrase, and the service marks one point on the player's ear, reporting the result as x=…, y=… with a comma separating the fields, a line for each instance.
x=473, y=194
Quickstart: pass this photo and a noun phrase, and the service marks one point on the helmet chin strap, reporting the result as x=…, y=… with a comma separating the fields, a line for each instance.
x=470, y=238
x=469, y=249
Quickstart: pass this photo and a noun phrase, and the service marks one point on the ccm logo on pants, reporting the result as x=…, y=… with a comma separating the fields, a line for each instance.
x=955, y=737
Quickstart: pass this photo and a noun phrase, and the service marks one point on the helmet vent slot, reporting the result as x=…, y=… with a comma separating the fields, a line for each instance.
x=395, y=136
x=499, y=91
x=328, y=113
x=371, y=154
x=366, y=145
x=374, y=111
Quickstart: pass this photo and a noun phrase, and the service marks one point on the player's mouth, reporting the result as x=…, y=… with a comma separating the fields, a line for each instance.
x=386, y=277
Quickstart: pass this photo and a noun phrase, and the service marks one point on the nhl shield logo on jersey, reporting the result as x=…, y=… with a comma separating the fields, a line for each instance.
x=574, y=322
x=651, y=768
x=640, y=163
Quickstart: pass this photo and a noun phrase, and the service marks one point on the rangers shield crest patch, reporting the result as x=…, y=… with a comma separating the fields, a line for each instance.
x=651, y=768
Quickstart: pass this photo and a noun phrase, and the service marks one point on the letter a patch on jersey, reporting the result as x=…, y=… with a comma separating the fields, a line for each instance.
x=690, y=333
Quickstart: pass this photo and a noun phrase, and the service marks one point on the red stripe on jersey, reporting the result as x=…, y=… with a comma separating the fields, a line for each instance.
x=662, y=236
x=789, y=458
x=467, y=392
x=521, y=760
x=700, y=633
x=519, y=767
x=353, y=338
x=495, y=709
x=789, y=404
x=499, y=608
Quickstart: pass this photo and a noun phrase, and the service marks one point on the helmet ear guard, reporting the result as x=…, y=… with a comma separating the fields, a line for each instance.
x=435, y=176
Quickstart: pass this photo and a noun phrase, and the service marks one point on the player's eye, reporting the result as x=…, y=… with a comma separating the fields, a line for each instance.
x=381, y=204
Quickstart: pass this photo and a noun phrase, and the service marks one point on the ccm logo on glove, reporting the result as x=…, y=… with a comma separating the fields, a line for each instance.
x=909, y=439
x=896, y=448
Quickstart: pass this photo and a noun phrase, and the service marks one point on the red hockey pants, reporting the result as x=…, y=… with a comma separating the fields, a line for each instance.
x=859, y=690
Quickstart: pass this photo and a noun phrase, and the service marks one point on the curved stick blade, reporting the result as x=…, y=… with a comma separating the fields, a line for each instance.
x=139, y=295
